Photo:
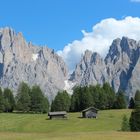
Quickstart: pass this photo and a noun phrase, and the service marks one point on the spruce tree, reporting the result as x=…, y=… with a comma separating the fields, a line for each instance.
x=75, y=99
x=110, y=95
x=23, y=98
x=1, y=101
x=9, y=101
x=81, y=99
x=131, y=103
x=39, y=103
x=135, y=114
x=120, y=102
x=125, y=124
x=99, y=97
x=61, y=102
x=45, y=105
x=96, y=94
x=86, y=99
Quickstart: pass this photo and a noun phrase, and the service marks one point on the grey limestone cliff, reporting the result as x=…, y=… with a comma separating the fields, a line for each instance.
x=90, y=71
x=22, y=61
x=120, y=68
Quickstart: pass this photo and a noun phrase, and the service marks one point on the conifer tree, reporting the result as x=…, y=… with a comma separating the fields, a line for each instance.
x=131, y=103
x=61, y=102
x=9, y=101
x=110, y=95
x=135, y=114
x=23, y=98
x=39, y=103
x=125, y=124
x=120, y=102
x=1, y=101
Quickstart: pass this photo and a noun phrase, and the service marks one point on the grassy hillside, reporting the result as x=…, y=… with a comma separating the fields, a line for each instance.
x=39, y=127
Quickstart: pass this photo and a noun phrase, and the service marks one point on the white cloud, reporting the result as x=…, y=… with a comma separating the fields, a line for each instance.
x=100, y=38
x=135, y=0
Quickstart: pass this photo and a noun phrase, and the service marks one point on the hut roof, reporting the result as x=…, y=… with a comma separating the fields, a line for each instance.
x=57, y=113
x=90, y=109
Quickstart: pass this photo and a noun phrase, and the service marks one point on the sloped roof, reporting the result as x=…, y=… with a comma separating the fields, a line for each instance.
x=57, y=113
x=90, y=109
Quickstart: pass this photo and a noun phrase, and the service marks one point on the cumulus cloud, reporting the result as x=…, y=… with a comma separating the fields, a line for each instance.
x=100, y=38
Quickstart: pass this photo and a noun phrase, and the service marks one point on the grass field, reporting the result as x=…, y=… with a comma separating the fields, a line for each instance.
x=39, y=127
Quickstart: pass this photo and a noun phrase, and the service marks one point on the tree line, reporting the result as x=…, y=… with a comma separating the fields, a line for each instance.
x=33, y=100
x=27, y=100
x=83, y=97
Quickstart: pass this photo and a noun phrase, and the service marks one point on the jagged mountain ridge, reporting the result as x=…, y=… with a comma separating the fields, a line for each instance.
x=120, y=68
x=22, y=61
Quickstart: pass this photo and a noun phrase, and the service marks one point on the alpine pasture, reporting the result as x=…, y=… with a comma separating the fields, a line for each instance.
x=38, y=127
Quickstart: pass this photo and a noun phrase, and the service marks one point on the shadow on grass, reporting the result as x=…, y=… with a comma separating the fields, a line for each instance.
x=20, y=112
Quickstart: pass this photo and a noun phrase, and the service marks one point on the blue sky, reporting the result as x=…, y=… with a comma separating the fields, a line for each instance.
x=72, y=26
x=59, y=22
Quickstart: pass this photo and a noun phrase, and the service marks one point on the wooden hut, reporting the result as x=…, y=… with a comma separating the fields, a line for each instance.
x=90, y=112
x=59, y=114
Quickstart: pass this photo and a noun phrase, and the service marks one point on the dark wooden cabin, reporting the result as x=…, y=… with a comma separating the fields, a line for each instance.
x=59, y=114
x=90, y=112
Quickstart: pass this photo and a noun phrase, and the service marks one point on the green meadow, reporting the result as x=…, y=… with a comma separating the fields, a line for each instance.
x=38, y=127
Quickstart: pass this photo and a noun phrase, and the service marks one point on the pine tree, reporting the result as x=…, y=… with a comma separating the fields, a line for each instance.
x=82, y=98
x=61, y=102
x=95, y=90
x=135, y=114
x=99, y=96
x=131, y=103
x=125, y=124
x=137, y=99
x=75, y=99
x=1, y=101
x=39, y=103
x=86, y=99
x=9, y=101
x=45, y=106
x=23, y=98
x=110, y=95
x=120, y=102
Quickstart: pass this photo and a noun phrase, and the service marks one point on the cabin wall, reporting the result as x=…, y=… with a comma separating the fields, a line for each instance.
x=89, y=114
x=57, y=117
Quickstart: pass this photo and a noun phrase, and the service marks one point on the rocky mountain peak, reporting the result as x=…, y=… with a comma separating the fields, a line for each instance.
x=23, y=61
x=96, y=59
x=87, y=56
x=6, y=37
x=90, y=70
x=127, y=43
x=114, y=51
x=120, y=67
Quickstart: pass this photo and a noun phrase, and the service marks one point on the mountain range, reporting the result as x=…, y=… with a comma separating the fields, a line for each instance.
x=23, y=61
x=120, y=68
